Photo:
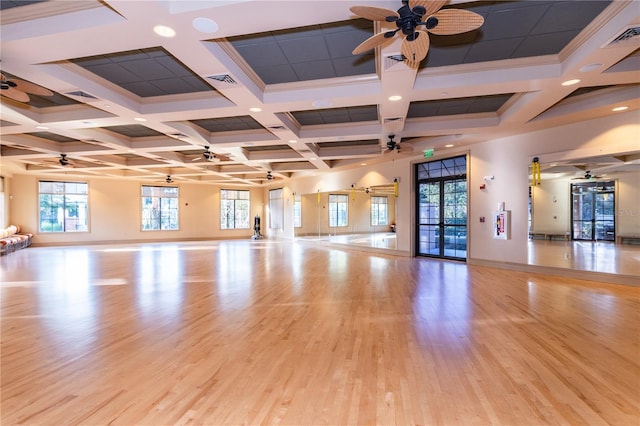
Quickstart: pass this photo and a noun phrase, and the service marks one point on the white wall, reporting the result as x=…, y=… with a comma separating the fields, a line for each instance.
x=551, y=202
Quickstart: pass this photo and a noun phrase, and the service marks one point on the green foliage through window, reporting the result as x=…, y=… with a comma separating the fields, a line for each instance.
x=234, y=209
x=159, y=208
x=63, y=206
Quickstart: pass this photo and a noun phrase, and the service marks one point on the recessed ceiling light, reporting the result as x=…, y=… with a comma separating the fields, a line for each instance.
x=140, y=119
x=164, y=31
x=321, y=103
x=571, y=82
x=42, y=127
x=395, y=98
x=293, y=141
x=255, y=109
x=620, y=108
x=363, y=164
x=450, y=145
x=313, y=158
x=205, y=25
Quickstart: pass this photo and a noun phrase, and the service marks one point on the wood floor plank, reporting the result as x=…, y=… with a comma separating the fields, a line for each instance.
x=276, y=332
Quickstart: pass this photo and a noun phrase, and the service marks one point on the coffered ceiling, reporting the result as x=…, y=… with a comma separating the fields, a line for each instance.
x=273, y=85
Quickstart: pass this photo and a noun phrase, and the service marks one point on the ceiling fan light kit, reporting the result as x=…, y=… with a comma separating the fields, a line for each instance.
x=409, y=18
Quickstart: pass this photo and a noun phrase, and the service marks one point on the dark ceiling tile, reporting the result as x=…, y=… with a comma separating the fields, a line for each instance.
x=10, y=4
x=133, y=130
x=442, y=56
x=262, y=55
x=314, y=70
x=513, y=22
x=276, y=74
x=305, y=49
x=113, y=73
x=355, y=65
x=470, y=105
x=492, y=50
x=52, y=137
x=145, y=72
x=566, y=15
x=545, y=44
x=296, y=33
x=228, y=124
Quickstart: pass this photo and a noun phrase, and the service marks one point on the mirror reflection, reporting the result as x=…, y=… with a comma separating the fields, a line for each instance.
x=584, y=214
x=364, y=217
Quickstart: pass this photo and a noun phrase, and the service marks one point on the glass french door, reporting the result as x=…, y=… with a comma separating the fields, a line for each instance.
x=593, y=211
x=442, y=210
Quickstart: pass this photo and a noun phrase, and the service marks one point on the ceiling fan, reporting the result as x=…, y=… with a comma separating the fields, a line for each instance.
x=168, y=179
x=587, y=176
x=409, y=18
x=17, y=89
x=208, y=156
x=393, y=146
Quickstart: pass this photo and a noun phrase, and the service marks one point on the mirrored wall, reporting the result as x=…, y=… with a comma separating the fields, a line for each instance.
x=578, y=211
x=362, y=217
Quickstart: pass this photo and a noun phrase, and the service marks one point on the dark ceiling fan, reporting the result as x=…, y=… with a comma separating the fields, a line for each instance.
x=207, y=155
x=17, y=89
x=168, y=179
x=409, y=18
x=587, y=176
x=395, y=146
x=63, y=160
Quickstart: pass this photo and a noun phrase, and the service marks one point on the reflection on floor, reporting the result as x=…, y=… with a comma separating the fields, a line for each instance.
x=384, y=240
x=600, y=256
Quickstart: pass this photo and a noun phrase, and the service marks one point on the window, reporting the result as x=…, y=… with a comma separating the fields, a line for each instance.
x=275, y=209
x=338, y=209
x=297, y=211
x=159, y=208
x=64, y=206
x=379, y=211
x=234, y=209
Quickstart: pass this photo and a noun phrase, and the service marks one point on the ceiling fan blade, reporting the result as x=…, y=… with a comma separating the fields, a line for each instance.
x=374, y=13
x=432, y=6
x=15, y=94
x=415, y=50
x=370, y=43
x=456, y=21
x=34, y=89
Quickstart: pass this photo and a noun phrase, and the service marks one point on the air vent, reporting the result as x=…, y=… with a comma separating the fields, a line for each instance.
x=223, y=78
x=276, y=128
x=628, y=35
x=393, y=120
x=81, y=94
x=394, y=61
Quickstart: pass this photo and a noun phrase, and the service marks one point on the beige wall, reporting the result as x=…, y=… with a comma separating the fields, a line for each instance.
x=115, y=211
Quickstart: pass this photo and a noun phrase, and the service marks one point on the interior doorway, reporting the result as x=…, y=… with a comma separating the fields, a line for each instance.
x=593, y=211
x=441, y=229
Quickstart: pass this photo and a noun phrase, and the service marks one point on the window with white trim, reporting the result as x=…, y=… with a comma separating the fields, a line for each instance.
x=379, y=211
x=234, y=209
x=63, y=206
x=338, y=210
x=160, y=208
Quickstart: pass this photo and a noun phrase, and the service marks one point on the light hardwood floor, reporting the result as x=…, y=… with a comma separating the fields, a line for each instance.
x=273, y=332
